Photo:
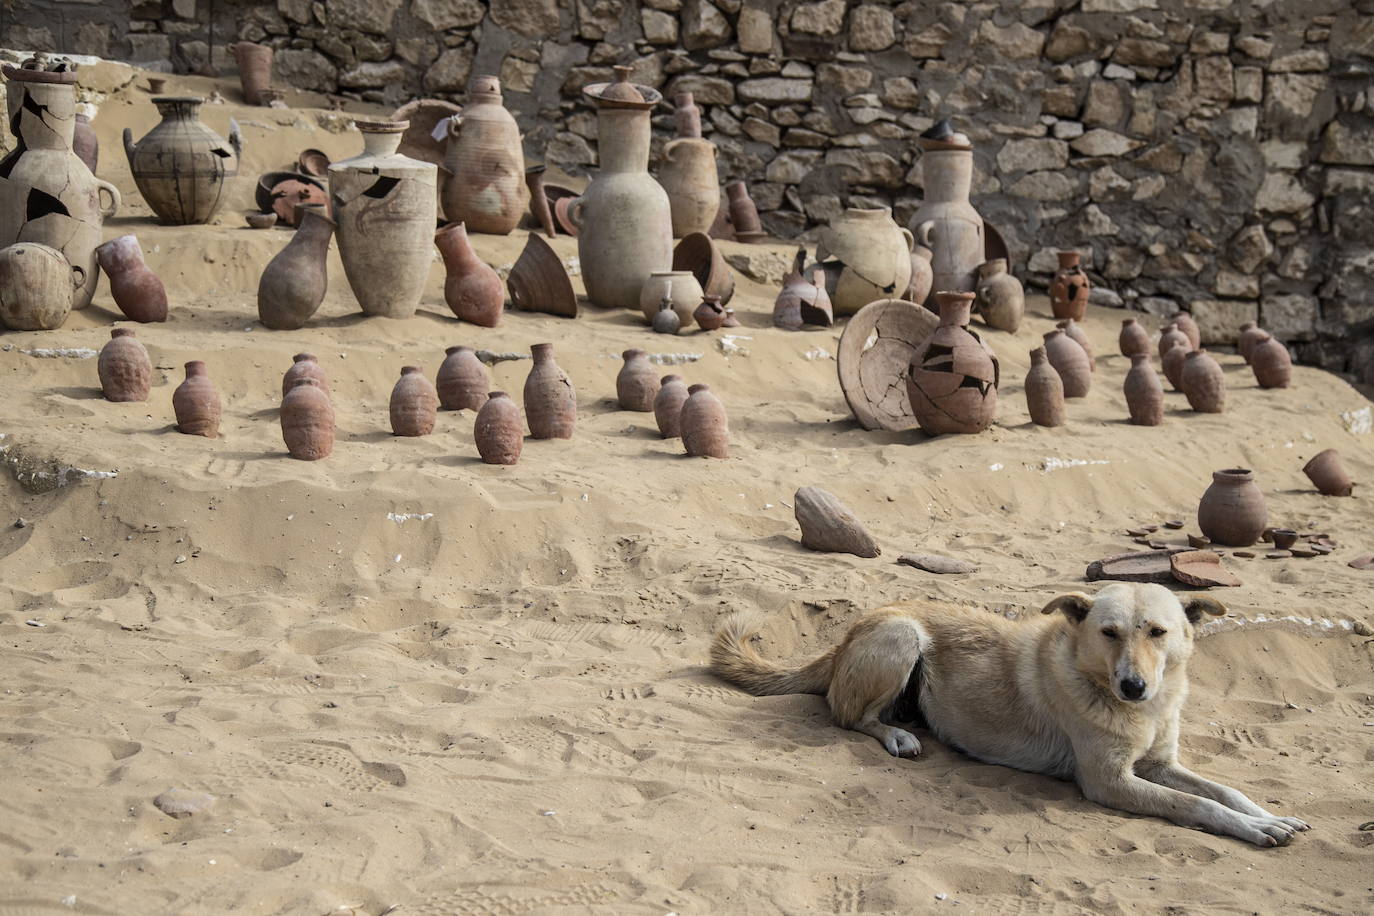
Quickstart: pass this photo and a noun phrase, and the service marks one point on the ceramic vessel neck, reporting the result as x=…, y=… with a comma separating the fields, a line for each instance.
x=623, y=135
x=948, y=175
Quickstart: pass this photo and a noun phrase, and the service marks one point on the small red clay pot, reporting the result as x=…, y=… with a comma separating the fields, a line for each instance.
x=498, y=430
x=1232, y=511
x=197, y=403
x=414, y=403
x=1271, y=363
x=462, y=381
x=307, y=420
x=672, y=394
x=1172, y=361
x=1133, y=338
x=472, y=289
x=550, y=399
x=1173, y=335
x=1144, y=393
x=1250, y=334
x=304, y=365
x=136, y=289
x=1070, y=289
x=1071, y=362
x=704, y=428
x=710, y=315
x=126, y=372
x=1044, y=391
x=1204, y=384
x=1188, y=326
x=637, y=384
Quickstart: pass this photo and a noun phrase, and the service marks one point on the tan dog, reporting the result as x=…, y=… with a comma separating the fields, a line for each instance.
x=1092, y=694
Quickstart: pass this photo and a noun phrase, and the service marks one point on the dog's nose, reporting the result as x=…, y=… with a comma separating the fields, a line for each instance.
x=1133, y=687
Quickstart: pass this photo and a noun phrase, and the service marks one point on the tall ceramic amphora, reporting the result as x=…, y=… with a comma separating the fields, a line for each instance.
x=624, y=218
x=385, y=208
x=946, y=223
x=689, y=175
x=47, y=194
x=484, y=187
x=181, y=164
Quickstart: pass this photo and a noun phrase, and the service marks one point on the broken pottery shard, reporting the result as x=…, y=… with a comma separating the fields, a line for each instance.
x=183, y=803
x=1201, y=568
x=935, y=563
x=1150, y=566
x=1364, y=562
x=827, y=524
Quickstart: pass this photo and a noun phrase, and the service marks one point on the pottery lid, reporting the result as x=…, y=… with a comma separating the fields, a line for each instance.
x=941, y=135
x=380, y=127
x=33, y=71
x=621, y=93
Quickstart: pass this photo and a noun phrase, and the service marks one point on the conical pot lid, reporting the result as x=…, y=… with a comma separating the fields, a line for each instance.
x=621, y=93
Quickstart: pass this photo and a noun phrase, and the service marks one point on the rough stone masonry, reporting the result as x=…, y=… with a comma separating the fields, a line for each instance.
x=1210, y=155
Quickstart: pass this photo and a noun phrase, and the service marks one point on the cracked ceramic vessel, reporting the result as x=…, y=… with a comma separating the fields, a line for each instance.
x=678, y=285
x=197, y=403
x=255, y=69
x=473, y=290
x=710, y=315
x=636, y=385
x=953, y=377
x=294, y=282
x=1001, y=300
x=1071, y=362
x=498, y=431
x=180, y=165
x=1044, y=391
x=800, y=303
x=307, y=421
x=672, y=394
x=36, y=287
x=1271, y=363
x=875, y=252
x=385, y=209
x=1070, y=288
x=1133, y=338
x=47, y=194
x=137, y=291
x=1204, y=384
x=624, y=219
x=703, y=425
x=688, y=175
x=304, y=365
x=1232, y=510
x=126, y=372
x=550, y=400
x=1144, y=393
x=484, y=163
x=462, y=381
x=946, y=222
x=414, y=404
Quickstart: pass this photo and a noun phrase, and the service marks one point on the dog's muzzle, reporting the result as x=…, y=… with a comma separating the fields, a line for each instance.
x=1133, y=687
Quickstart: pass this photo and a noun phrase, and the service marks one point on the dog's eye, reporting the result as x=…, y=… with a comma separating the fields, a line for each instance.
x=1157, y=632
x=1109, y=633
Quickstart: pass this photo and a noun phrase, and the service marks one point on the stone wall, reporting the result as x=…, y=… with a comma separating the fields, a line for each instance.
x=1213, y=155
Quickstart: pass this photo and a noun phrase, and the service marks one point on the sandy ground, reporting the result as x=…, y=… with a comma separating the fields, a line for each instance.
x=500, y=706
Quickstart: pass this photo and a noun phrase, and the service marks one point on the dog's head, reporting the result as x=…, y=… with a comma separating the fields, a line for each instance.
x=1128, y=636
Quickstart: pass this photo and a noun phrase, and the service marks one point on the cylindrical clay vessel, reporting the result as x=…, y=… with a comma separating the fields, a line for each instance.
x=307, y=421
x=197, y=403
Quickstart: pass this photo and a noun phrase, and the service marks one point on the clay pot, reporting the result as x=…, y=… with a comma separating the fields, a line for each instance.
x=1171, y=336
x=540, y=283
x=1204, y=384
x=294, y=282
x=710, y=316
x=687, y=118
x=1271, y=363
x=126, y=372
x=85, y=143
x=828, y=524
x=875, y=252
x=1144, y=393
x=1188, y=326
x=1328, y=474
x=1174, y=359
x=1001, y=300
x=946, y=222
x=137, y=290
x=1250, y=334
x=1133, y=338
x=678, y=285
x=197, y=403
x=272, y=185
x=462, y=382
x=744, y=214
x=261, y=220
x=48, y=196
x=37, y=286
x=414, y=403
x=1070, y=361
x=304, y=365
x=472, y=289
x=1044, y=391
x=550, y=400
x=702, y=424
x=1075, y=332
x=624, y=219
x=307, y=421
x=637, y=383
x=953, y=377
x=688, y=175
x=384, y=208
x=801, y=303
x=498, y=430
x=1232, y=511
x=666, y=320
x=875, y=352
x=1070, y=288
x=699, y=254
x=156, y=84
x=484, y=187
x=288, y=195
x=255, y=69
x=180, y=165
x=672, y=394
x=313, y=162
x=539, y=201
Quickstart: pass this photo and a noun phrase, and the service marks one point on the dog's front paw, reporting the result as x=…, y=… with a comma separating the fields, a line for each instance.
x=1269, y=830
x=901, y=743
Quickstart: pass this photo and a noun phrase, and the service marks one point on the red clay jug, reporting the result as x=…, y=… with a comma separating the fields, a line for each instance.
x=1204, y=384
x=1133, y=338
x=1070, y=289
x=1272, y=365
x=637, y=384
x=1144, y=393
x=550, y=399
x=126, y=372
x=703, y=425
x=1232, y=511
x=472, y=289
x=1188, y=326
x=498, y=430
x=953, y=375
x=197, y=403
x=1070, y=361
x=1076, y=333
x=686, y=115
x=1044, y=391
x=304, y=365
x=307, y=420
x=672, y=394
x=1172, y=363
x=710, y=315
x=294, y=282
x=413, y=404
x=1250, y=334
x=136, y=289
x=462, y=381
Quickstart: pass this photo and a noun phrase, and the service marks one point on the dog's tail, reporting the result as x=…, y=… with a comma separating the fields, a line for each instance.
x=735, y=660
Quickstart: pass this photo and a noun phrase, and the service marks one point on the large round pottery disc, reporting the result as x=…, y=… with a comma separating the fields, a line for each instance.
x=875, y=351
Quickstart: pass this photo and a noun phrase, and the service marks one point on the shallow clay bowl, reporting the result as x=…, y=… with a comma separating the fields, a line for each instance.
x=313, y=162
x=262, y=194
x=262, y=220
x=874, y=353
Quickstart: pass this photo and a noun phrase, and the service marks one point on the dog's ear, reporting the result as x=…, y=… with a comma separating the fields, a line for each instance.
x=1199, y=605
x=1075, y=606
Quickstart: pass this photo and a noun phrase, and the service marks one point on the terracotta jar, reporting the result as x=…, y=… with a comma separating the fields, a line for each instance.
x=1133, y=338
x=922, y=279
x=946, y=222
x=1204, y=384
x=384, y=208
x=484, y=185
x=1328, y=474
x=1001, y=300
x=137, y=290
x=1189, y=327
x=1075, y=332
x=197, y=403
x=688, y=175
x=473, y=290
x=1232, y=510
x=255, y=69
x=1271, y=363
x=414, y=403
x=1070, y=361
x=462, y=382
x=1044, y=391
x=710, y=315
x=1144, y=393
x=181, y=164
x=636, y=385
x=47, y=194
x=126, y=372
x=678, y=285
x=85, y=143
x=1070, y=288
x=624, y=219
x=1250, y=334
x=540, y=208
x=304, y=365
x=1170, y=336
x=672, y=394
x=801, y=302
x=498, y=430
x=875, y=252
x=550, y=399
x=953, y=377
x=294, y=282
x=307, y=421
x=687, y=119
x=702, y=424
x=1172, y=362
x=744, y=214
x=37, y=286
x=666, y=320
x=700, y=254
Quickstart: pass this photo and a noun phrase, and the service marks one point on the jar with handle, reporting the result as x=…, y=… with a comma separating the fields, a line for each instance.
x=946, y=222
x=180, y=165
x=484, y=164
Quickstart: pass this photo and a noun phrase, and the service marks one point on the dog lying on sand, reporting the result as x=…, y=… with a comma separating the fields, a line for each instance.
x=1091, y=694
